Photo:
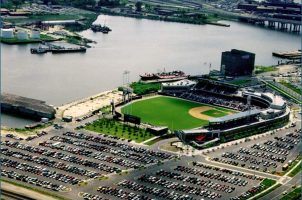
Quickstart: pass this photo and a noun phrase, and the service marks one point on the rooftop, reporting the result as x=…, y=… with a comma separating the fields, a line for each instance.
x=32, y=104
x=184, y=82
x=236, y=116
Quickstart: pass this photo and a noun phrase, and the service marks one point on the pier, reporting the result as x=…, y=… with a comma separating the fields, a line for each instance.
x=273, y=23
x=23, y=106
x=290, y=55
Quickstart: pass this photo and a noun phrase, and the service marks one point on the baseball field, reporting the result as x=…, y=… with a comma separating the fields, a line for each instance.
x=175, y=113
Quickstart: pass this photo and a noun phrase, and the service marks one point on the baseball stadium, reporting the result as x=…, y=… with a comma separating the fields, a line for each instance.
x=204, y=111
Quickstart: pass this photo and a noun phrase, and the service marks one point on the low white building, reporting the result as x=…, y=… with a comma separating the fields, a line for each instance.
x=22, y=35
x=7, y=33
x=35, y=34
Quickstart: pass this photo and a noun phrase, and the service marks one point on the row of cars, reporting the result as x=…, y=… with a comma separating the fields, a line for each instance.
x=260, y=154
x=14, y=151
x=196, y=181
x=102, y=148
x=85, y=162
x=29, y=138
x=32, y=180
x=38, y=170
x=118, y=145
x=121, y=194
x=157, y=192
x=184, y=188
x=87, y=196
x=234, y=180
x=234, y=174
x=265, y=156
x=250, y=193
x=238, y=159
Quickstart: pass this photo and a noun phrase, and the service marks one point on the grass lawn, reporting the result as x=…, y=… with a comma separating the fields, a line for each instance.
x=268, y=182
x=215, y=113
x=140, y=88
x=292, y=87
x=282, y=92
x=293, y=195
x=115, y=128
x=240, y=82
x=166, y=111
x=262, y=69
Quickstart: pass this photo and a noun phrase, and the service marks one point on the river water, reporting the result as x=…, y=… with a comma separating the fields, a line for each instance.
x=136, y=45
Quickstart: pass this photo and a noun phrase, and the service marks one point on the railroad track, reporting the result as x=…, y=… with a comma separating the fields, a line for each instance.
x=7, y=195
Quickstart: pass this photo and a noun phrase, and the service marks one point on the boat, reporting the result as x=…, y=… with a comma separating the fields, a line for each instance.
x=164, y=76
x=100, y=28
x=68, y=50
x=39, y=50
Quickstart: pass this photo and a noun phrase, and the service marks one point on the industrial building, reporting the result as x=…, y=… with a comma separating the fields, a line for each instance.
x=237, y=63
x=32, y=108
x=22, y=35
x=7, y=33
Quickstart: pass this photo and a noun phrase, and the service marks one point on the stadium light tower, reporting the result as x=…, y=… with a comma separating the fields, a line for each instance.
x=249, y=99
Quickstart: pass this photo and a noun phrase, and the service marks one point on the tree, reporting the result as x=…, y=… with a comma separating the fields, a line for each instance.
x=138, y=6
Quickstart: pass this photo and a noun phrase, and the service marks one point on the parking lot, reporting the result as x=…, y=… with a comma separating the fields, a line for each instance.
x=62, y=160
x=83, y=165
x=268, y=154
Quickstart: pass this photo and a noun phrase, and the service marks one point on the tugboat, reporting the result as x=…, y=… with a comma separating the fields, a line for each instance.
x=100, y=28
x=164, y=76
x=39, y=50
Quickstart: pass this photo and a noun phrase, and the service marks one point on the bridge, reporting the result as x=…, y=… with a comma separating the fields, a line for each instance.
x=274, y=23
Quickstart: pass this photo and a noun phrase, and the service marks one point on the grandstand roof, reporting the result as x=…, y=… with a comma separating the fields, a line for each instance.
x=185, y=82
x=236, y=116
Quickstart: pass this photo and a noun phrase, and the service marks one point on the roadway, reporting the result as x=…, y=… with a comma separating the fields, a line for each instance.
x=278, y=193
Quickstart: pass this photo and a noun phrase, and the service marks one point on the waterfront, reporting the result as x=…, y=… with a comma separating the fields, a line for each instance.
x=138, y=46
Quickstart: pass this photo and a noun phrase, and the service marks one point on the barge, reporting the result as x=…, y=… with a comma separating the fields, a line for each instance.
x=163, y=76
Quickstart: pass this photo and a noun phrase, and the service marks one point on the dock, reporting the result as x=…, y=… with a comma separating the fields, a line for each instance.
x=291, y=55
x=27, y=107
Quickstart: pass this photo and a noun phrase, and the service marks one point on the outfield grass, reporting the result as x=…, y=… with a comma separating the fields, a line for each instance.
x=120, y=130
x=166, y=111
x=215, y=113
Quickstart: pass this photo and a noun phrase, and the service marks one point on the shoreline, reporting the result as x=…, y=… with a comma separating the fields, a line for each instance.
x=163, y=18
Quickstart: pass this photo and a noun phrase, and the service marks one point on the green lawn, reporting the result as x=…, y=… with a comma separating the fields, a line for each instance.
x=115, y=128
x=262, y=69
x=140, y=88
x=166, y=111
x=215, y=113
x=268, y=182
x=292, y=87
x=282, y=92
x=240, y=82
x=293, y=195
